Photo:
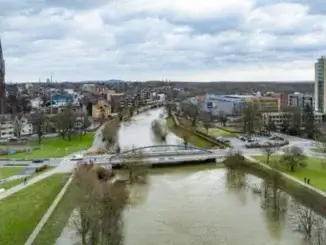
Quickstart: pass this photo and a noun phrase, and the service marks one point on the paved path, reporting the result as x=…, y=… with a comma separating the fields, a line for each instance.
x=322, y=193
x=65, y=166
x=30, y=182
x=48, y=213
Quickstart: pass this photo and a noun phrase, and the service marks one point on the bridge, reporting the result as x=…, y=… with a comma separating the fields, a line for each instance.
x=160, y=155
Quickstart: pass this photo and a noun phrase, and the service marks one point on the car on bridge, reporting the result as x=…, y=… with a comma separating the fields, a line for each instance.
x=77, y=157
x=38, y=161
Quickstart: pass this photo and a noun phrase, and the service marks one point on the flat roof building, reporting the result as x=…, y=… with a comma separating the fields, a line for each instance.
x=2, y=81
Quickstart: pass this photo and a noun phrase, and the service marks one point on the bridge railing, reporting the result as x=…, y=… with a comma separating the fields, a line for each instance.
x=176, y=150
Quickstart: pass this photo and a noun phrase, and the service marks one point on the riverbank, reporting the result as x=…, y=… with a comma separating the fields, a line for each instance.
x=179, y=197
x=184, y=134
x=308, y=195
x=193, y=136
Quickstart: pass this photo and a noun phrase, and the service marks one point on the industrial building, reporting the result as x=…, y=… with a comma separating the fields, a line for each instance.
x=232, y=104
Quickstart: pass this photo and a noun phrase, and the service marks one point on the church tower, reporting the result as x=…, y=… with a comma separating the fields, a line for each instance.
x=2, y=81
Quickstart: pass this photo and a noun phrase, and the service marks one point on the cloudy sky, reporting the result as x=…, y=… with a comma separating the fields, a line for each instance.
x=195, y=40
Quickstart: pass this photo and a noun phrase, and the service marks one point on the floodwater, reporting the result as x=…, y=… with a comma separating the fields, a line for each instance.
x=197, y=205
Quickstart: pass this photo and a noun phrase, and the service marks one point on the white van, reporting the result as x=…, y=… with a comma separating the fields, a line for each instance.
x=77, y=157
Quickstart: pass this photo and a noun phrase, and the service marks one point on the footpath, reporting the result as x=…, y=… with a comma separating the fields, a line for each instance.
x=48, y=213
x=322, y=193
x=30, y=182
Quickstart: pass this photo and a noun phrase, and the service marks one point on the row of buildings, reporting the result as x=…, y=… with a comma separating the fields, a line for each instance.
x=271, y=104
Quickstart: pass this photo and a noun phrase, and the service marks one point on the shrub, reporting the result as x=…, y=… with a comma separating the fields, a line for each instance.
x=41, y=168
x=104, y=174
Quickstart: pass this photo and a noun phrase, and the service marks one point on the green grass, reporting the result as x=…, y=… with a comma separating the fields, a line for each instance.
x=6, y=172
x=217, y=132
x=57, y=222
x=318, y=150
x=315, y=170
x=21, y=212
x=12, y=183
x=192, y=139
x=56, y=147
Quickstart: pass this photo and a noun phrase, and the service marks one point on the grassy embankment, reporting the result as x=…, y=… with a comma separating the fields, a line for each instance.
x=55, y=147
x=6, y=172
x=191, y=138
x=315, y=170
x=9, y=184
x=57, y=221
x=21, y=212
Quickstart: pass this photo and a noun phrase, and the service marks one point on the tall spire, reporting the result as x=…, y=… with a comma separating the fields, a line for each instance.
x=2, y=61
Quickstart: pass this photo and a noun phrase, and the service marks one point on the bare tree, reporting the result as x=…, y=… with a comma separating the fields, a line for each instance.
x=113, y=200
x=306, y=219
x=136, y=165
x=293, y=158
x=268, y=152
x=250, y=117
x=109, y=133
x=85, y=199
x=85, y=123
x=66, y=121
x=207, y=125
x=222, y=117
x=18, y=126
x=100, y=204
x=192, y=111
x=39, y=121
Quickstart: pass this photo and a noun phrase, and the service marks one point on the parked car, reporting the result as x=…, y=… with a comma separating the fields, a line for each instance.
x=220, y=138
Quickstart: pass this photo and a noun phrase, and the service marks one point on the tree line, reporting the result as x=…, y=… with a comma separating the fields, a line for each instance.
x=66, y=123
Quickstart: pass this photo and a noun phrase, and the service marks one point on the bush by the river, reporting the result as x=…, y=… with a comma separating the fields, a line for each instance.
x=41, y=168
x=159, y=129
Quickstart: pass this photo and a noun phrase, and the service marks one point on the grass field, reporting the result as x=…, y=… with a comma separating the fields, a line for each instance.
x=21, y=212
x=58, y=220
x=319, y=150
x=192, y=139
x=6, y=172
x=56, y=147
x=217, y=132
x=315, y=171
x=12, y=183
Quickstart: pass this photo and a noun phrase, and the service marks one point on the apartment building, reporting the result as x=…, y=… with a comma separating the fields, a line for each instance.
x=8, y=129
x=278, y=118
x=101, y=110
x=320, y=77
x=301, y=100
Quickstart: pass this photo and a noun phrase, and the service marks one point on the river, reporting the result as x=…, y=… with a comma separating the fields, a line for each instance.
x=198, y=205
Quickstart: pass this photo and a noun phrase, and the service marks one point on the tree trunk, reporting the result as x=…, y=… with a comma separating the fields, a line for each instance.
x=292, y=168
x=84, y=242
x=39, y=138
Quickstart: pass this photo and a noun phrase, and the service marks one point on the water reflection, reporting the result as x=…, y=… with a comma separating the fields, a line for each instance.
x=190, y=206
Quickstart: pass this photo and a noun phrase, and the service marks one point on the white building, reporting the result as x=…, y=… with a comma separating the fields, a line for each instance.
x=278, y=118
x=89, y=88
x=8, y=129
